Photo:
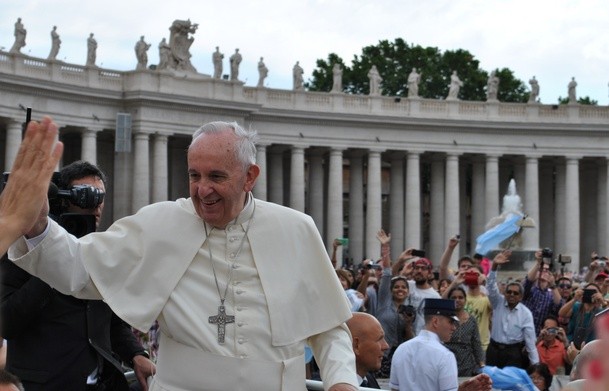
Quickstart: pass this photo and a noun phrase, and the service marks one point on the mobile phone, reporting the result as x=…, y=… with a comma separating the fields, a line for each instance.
x=553, y=330
x=343, y=241
x=418, y=253
x=587, y=297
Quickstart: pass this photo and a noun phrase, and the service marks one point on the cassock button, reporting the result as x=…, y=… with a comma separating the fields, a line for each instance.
x=239, y=291
x=232, y=255
x=232, y=239
x=240, y=324
x=240, y=340
x=239, y=308
x=232, y=227
x=243, y=356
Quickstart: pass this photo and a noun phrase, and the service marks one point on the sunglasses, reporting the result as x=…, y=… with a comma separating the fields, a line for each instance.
x=564, y=286
x=513, y=293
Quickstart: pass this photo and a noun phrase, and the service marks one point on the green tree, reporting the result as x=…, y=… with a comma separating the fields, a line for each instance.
x=586, y=100
x=395, y=60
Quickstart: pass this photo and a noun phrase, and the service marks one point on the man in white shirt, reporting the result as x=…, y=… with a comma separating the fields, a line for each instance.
x=237, y=284
x=512, y=323
x=421, y=289
x=424, y=363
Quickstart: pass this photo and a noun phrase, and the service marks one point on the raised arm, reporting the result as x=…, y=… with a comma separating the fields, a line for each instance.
x=23, y=203
x=448, y=253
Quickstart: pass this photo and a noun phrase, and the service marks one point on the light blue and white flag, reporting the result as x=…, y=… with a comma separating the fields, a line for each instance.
x=490, y=239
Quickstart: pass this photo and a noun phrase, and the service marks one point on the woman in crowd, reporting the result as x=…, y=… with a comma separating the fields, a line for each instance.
x=540, y=376
x=356, y=299
x=580, y=311
x=465, y=341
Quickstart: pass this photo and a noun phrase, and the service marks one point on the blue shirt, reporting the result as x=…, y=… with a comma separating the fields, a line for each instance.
x=424, y=364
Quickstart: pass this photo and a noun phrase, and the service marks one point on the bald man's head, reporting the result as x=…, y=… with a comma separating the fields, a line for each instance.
x=369, y=343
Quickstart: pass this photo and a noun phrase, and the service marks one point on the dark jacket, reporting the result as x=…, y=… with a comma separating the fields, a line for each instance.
x=54, y=341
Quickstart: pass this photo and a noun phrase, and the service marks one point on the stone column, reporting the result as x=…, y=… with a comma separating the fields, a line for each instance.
x=297, y=179
x=437, y=241
x=276, y=177
x=356, y=207
x=260, y=189
x=373, y=204
x=335, y=202
x=13, y=140
x=572, y=210
x=560, y=222
x=413, y=200
x=603, y=209
x=478, y=203
x=530, y=236
x=316, y=189
x=141, y=172
x=520, y=178
x=396, y=204
x=451, y=202
x=492, y=187
x=89, y=145
x=546, y=222
x=160, y=168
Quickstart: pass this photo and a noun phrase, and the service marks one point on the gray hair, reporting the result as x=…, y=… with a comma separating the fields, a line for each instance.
x=245, y=147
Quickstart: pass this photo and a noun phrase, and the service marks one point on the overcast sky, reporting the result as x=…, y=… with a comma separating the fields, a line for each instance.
x=552, y=40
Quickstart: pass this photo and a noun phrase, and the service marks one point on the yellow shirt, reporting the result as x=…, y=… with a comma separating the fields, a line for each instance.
x=480, y=308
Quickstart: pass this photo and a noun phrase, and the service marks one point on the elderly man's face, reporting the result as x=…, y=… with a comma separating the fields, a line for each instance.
x=371, y=347
x=218, y=181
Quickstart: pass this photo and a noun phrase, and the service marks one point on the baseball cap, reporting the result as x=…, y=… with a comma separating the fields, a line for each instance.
x=423, y=262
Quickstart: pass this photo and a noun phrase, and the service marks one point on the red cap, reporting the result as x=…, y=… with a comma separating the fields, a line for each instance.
x=601, y=275
x=423, y=262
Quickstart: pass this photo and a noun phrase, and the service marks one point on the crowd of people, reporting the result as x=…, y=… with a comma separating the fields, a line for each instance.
x=540, y=322
x=390, y=318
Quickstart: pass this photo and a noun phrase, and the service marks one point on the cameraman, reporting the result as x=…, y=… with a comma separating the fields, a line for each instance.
x=540, y=293
x=57, y=341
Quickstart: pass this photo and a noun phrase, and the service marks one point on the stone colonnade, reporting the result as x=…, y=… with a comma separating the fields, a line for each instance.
x=421, y=197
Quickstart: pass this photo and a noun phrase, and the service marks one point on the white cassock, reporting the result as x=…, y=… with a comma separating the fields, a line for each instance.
x=156, y=265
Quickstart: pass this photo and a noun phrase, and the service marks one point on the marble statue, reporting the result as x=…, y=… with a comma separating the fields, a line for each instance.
x=297, y=77
x=492, y=87
x=55, y=44
x=454, y=87
x=263, y=72
x=413, y=83
x=534, y=90
x=164, y=55
x=235, y=60
x=91, y=50
x=179, y=44
x=375, y=80
x=20, y=33
x=572, y=93
x=337, y=78
x=141, y=52
x=216, y=59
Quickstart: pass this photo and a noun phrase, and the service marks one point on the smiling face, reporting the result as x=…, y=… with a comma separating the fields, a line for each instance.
x=399, y=290
x=219, y=182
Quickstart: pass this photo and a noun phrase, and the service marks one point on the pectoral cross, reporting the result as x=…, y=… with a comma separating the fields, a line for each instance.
x=221, y=320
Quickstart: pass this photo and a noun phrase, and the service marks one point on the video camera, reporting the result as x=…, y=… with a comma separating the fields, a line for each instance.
x=82, y=196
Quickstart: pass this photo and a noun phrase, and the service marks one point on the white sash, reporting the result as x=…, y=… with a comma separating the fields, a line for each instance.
x=184, y=368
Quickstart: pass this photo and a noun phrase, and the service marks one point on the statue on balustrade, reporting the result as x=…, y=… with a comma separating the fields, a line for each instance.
x=374, y=79
x=413, y=83
x=572, y=94
x=55, y=44
x=91, y=51
x=179, y=44
x=141, y=52
x=337, y=78
x=164, y=55
x=297, y=77
x=20, y=33
x=235, y=60
x=263, y=72
x=216, y=59
x=534, y=90
x=454, y=87
x=492, y=87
